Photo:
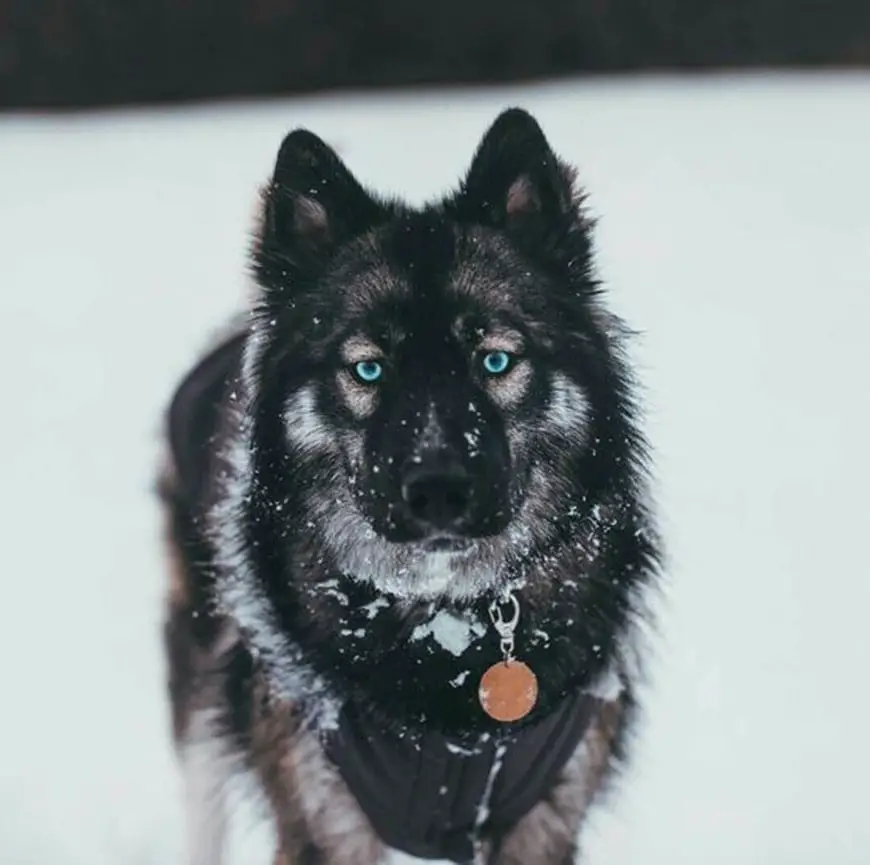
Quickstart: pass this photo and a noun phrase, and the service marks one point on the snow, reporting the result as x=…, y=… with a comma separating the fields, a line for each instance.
x=451, y=632
x=734, y=233
x=483, y=808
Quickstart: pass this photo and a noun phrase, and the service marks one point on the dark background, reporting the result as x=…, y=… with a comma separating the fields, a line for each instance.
x=87, y=53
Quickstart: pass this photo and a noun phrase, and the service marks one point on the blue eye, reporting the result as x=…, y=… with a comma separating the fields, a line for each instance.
x=368, y=371
x=497, y=362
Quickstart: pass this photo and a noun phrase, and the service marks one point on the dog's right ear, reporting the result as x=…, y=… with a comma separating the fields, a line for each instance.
x=312, y=205
x=517, y=184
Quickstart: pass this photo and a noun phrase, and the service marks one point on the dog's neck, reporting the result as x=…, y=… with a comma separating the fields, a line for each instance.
x=418, y=666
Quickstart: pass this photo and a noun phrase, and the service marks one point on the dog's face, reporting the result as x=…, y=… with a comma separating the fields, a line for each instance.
x=437, y=371
x=423, y=394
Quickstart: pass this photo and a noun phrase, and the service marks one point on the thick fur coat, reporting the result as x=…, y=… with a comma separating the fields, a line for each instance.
x=424, y=411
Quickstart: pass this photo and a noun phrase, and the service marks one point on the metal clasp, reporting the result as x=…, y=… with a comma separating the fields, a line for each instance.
x=505, y=628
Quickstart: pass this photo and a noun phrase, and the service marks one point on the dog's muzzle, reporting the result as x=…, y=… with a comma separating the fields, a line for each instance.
x=437, y=496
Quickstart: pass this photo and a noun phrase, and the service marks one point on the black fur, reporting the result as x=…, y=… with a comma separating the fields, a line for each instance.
x=511, y=250
x=553, y=296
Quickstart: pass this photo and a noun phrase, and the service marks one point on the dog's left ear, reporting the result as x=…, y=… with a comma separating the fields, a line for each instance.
x=516, y=183
x=312, y=205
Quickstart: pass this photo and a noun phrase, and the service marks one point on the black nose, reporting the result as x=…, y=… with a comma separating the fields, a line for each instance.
x=437, y=498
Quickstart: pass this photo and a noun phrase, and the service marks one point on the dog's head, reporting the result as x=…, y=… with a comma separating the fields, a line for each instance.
x=432, y=388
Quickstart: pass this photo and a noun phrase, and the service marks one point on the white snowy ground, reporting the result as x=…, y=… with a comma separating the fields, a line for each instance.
x=735, y=233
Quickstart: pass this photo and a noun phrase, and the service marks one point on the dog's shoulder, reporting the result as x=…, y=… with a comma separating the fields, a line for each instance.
x=195, y=412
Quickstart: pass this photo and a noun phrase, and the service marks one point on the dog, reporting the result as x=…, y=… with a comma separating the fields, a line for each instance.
x=409, y=521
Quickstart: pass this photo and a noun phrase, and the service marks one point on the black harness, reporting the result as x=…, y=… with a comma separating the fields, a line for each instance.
x=429, y=797
x=425, y=794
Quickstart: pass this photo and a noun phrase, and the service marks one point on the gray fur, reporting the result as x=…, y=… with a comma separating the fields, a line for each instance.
x=525, y=433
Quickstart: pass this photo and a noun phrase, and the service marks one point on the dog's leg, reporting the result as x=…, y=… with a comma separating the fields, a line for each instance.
x=197, y=648
x=318, y=820
x=315, y=817
x=547, y=835
x=198, y=706
x=205, y=802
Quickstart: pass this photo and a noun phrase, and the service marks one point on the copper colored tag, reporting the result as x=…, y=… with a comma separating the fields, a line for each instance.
x=508, y=691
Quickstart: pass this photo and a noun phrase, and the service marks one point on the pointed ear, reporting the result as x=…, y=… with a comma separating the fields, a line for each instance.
x=516, y=183
x=312, y=205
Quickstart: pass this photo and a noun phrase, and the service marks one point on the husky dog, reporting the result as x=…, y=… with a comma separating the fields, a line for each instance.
x=416, y=461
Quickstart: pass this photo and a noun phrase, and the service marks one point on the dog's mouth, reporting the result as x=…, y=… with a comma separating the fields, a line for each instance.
x=445, y=543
